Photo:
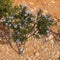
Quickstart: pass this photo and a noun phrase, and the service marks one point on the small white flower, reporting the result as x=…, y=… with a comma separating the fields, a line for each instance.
x=9, y=24
x=49, y=19
x=17, y=40
x=29, y=12
x=4, y=20
x=47, y=31
x=18, y=32
x=15, y=26
x=6, y=24
x=9, y=20
x=20, y=26
x=25, y=15
x=6, y=13
x=44, y=15
x=11, y=17
x=26, y=18
x=31, y=18
x=20, y=10
x=19, y=23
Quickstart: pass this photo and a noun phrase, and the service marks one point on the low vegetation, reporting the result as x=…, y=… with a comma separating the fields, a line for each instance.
x=23, y=23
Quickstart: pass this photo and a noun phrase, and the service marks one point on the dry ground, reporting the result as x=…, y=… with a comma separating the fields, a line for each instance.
x=43, y=49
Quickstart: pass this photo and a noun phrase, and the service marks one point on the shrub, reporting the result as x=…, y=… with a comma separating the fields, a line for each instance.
x=22, y=21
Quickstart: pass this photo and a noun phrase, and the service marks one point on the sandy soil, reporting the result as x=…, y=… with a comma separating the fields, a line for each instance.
x=42, y=49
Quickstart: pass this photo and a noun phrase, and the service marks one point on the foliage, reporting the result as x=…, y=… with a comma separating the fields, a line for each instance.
x=5, y=7
x=43, y=22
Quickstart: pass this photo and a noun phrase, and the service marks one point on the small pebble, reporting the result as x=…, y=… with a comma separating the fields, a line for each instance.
x=28, y=58
x=31, y=3
x=58, y=23
x=52, y=1
x=52, y=41
x=37, y=54
x=50, y=37
x=45, y=11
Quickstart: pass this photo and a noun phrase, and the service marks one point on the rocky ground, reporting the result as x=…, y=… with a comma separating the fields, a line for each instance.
x=46, y=48
x=42, y=49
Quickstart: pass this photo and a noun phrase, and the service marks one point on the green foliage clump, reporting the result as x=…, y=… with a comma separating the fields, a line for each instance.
x=21, y=22
x=43, y=23
x=5, y=7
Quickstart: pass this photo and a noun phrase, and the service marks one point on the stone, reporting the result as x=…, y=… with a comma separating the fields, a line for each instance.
x=54, y=28
x=31, y=3
x=0, y=38
x=50, y=37
x=42, y=48
x=58, y=23
x=52, y=41
x=28, y=58
x=37, y=54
